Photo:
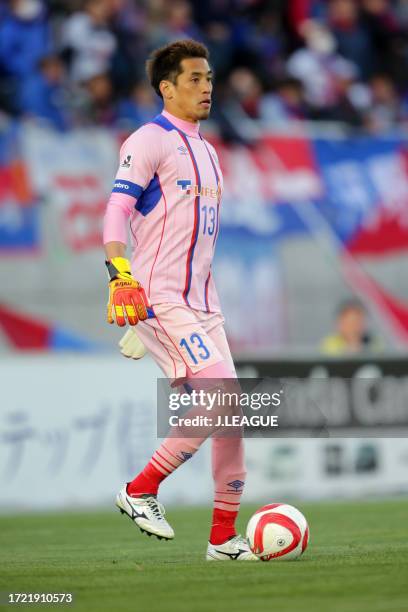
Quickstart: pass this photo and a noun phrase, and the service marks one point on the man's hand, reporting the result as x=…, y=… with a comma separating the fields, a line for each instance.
x=127, y=298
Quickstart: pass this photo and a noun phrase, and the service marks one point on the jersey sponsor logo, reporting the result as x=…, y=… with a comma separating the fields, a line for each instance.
x=119, y=185
x=184, y=184
x=182, y=150
x=195, y=190
x=123, y=186
x=126, y=162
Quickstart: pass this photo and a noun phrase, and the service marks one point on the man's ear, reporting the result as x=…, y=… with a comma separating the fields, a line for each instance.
x=167, y=89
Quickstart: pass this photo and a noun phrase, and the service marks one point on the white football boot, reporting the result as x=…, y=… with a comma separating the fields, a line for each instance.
x=235, y=549
x=146, y=512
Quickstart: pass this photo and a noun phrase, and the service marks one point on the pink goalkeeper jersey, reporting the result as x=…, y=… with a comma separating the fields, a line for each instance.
x=169, y=182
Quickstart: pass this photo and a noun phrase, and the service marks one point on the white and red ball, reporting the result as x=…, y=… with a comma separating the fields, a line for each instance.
x=278, y=531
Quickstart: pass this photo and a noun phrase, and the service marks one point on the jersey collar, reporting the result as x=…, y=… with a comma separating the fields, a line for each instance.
x=191, y=129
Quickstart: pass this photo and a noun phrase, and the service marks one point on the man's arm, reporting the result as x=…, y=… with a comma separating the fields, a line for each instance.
x=115, y=249
x=130, y=344
x=138, y=164
x=127, y=299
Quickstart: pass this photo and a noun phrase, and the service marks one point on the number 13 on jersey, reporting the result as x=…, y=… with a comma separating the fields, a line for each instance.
x=209, y=219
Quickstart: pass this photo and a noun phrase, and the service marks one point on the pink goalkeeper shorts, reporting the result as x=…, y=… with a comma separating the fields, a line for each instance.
x=183, y=340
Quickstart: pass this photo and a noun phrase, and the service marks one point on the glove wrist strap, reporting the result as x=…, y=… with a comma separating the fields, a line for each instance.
x=117, y=266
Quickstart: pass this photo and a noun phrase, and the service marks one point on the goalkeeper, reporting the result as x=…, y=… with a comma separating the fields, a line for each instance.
x=169, y=187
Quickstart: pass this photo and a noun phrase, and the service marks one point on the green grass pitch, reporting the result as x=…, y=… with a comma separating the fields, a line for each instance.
x=357, y=561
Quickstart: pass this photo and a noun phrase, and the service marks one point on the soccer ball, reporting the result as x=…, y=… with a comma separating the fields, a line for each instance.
x=278, y=531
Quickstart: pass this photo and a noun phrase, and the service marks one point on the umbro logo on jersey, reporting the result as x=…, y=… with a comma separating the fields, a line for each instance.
x=182, y=150
x=126, y=162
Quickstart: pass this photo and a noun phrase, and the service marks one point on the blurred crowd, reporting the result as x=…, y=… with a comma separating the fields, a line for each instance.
x=82, y=62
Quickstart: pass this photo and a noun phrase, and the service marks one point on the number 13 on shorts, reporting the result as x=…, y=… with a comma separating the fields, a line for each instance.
x=196, y=348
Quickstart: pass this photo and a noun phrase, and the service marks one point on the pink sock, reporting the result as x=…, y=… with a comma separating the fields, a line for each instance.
x=167, y=458
x=229, y=480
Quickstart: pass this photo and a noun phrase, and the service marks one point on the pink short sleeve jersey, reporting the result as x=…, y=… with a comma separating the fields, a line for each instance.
x=170, y=181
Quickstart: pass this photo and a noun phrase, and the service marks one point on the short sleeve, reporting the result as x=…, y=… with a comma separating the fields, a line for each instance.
x=139, y=161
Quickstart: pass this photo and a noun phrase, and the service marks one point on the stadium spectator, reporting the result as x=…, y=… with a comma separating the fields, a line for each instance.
x=334, y=48
x=267, y=43
x=129, y=26
x=24, y=39
x=100, y=106
x=238, y=105
x=386, y=110
x=352, y=37
x=389, y=34
x=173, y=21
x=219, y=43
x=139, y=107
x=245, y=93
x=318, y=65
x=300, y=11
x=42, y=94
x=351, y=334
x=87, y=40
x=286, y=103
x=350, y=99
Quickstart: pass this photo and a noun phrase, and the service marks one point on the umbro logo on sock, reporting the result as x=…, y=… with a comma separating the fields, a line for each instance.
x=185, y=456
x=236, y=484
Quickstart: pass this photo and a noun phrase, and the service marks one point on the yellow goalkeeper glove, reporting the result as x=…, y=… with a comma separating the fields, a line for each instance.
x=127, y=298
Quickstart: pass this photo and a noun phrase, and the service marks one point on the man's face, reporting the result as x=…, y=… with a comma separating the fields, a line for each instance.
x=352, y=323
x=190, y=97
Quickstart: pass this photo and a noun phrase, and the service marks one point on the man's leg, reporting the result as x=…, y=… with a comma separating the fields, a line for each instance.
x=228, y=469
x=229, y=473
x=175, y=449
x=137, y=499
x=178, y=447
x=165, y=339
